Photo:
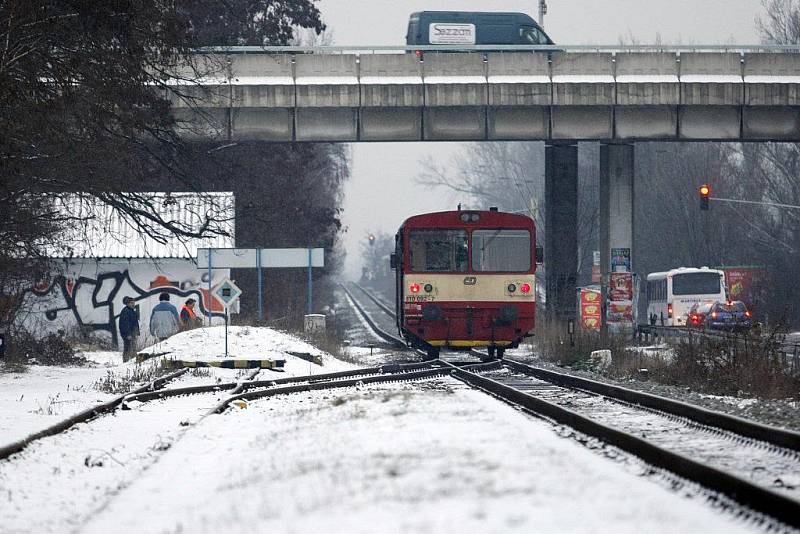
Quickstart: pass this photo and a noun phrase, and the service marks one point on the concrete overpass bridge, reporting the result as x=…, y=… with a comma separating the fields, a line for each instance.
x=623, y=94
x=560, y=95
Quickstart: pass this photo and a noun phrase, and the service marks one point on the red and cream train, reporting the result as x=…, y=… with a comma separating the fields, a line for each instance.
x=465, y=279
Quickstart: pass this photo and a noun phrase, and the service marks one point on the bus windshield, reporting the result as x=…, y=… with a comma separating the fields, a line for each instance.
x=501, y=250
x=696, y=284
x=438, y=251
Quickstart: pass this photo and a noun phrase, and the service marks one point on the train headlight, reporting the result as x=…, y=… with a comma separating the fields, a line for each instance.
x=428, y=288
x=525, y=288
x=414, y=288
x=511, y=288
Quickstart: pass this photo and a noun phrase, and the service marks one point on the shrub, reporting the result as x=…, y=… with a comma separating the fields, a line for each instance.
x=52, y=349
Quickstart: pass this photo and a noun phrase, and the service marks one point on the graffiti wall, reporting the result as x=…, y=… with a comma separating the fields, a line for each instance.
x=85, y=295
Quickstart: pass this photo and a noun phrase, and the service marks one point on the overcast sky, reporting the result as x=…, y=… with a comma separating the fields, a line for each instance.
x=382, y=191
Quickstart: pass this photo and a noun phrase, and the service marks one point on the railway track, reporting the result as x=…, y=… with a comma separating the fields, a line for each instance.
x=755, y=465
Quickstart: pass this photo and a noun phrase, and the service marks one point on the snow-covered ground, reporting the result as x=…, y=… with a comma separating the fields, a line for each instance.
x=44, y=395
x=424, y=457
x=427, y=456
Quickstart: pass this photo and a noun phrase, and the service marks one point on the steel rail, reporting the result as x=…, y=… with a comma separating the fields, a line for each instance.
x=315, y=386
x=758, y=498
x=775, y=436
x=339, y=49
x=377, y=329
x=85, y=415
x=250, y=384
x=383, y=306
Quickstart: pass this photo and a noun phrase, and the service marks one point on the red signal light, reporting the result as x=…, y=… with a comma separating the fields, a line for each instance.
x=705, y=193
x=525, y=288
x=414, y=288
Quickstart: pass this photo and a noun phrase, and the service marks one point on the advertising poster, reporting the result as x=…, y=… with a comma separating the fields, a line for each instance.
x=620, y=312
x=621, y=288
x=745, y=283
x=620, y=260
x=590, y=309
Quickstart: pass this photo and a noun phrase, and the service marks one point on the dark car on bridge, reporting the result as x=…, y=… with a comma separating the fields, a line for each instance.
x=696, y=318
x=454, y=28
x=731, y=316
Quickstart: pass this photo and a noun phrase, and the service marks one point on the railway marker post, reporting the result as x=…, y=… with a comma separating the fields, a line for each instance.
x=227, y=292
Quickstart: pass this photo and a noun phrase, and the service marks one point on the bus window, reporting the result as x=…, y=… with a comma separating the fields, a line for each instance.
x=438, y=250
x=501, y=250
x=696, y=284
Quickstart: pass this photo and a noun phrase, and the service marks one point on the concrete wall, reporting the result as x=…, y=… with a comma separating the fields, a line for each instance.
x=85, y=295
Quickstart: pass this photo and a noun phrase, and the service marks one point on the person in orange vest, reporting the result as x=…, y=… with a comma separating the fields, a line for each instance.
x=189, y=318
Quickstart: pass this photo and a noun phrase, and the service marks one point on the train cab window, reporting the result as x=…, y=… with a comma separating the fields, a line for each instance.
x=438, y=251
x=501, y=250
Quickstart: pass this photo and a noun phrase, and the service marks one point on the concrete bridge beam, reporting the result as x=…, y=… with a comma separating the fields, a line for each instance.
x=583, y=96
x=391, y=97
x=519, y=96
x=455, y=96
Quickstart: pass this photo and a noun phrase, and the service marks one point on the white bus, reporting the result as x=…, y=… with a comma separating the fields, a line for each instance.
x=671, y=294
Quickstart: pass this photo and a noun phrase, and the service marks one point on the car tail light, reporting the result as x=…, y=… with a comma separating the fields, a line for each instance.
x=713, y=315
x=428, y=288
x=747, y=313
x=525, y=288
x=418, y=53
x=669, y=311
x=414, y=288
x=511, y=288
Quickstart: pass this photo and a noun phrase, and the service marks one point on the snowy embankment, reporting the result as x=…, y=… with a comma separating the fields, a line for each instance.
x=44, y=395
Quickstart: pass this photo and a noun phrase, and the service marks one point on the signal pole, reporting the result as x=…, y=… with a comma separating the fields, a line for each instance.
x=542, y=12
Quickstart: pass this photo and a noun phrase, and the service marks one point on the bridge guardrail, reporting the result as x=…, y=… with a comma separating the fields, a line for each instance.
x=788, y=348
x=742, y=49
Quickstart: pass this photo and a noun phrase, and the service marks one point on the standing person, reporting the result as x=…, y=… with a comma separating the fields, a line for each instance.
x=128, y=328
x=164, y=320
x=189, y=318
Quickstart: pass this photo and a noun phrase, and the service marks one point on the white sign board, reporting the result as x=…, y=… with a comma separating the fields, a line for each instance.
x=227, y=292
x=271, y=258
x=448, y=33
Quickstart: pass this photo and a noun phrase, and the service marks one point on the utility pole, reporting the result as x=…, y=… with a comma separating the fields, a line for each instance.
x=542, y=12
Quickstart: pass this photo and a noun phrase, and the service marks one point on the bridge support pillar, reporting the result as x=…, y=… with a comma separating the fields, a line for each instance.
x=561, y=229
x=616, y=217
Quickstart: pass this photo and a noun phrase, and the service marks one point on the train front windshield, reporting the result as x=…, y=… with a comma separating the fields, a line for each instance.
x=696, y=284
x=438, y=251
x=501, y=251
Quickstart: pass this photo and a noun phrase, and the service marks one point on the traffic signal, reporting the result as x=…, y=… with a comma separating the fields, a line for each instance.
x=705, y=192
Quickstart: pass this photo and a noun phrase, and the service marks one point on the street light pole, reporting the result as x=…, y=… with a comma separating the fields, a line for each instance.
x=542, y=12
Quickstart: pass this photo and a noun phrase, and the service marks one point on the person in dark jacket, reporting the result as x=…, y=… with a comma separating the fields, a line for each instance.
x=164, y=321
x=128, y=328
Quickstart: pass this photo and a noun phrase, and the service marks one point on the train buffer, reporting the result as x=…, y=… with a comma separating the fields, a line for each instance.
x=144, y=356
x=306, y=356
x=225, y=364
